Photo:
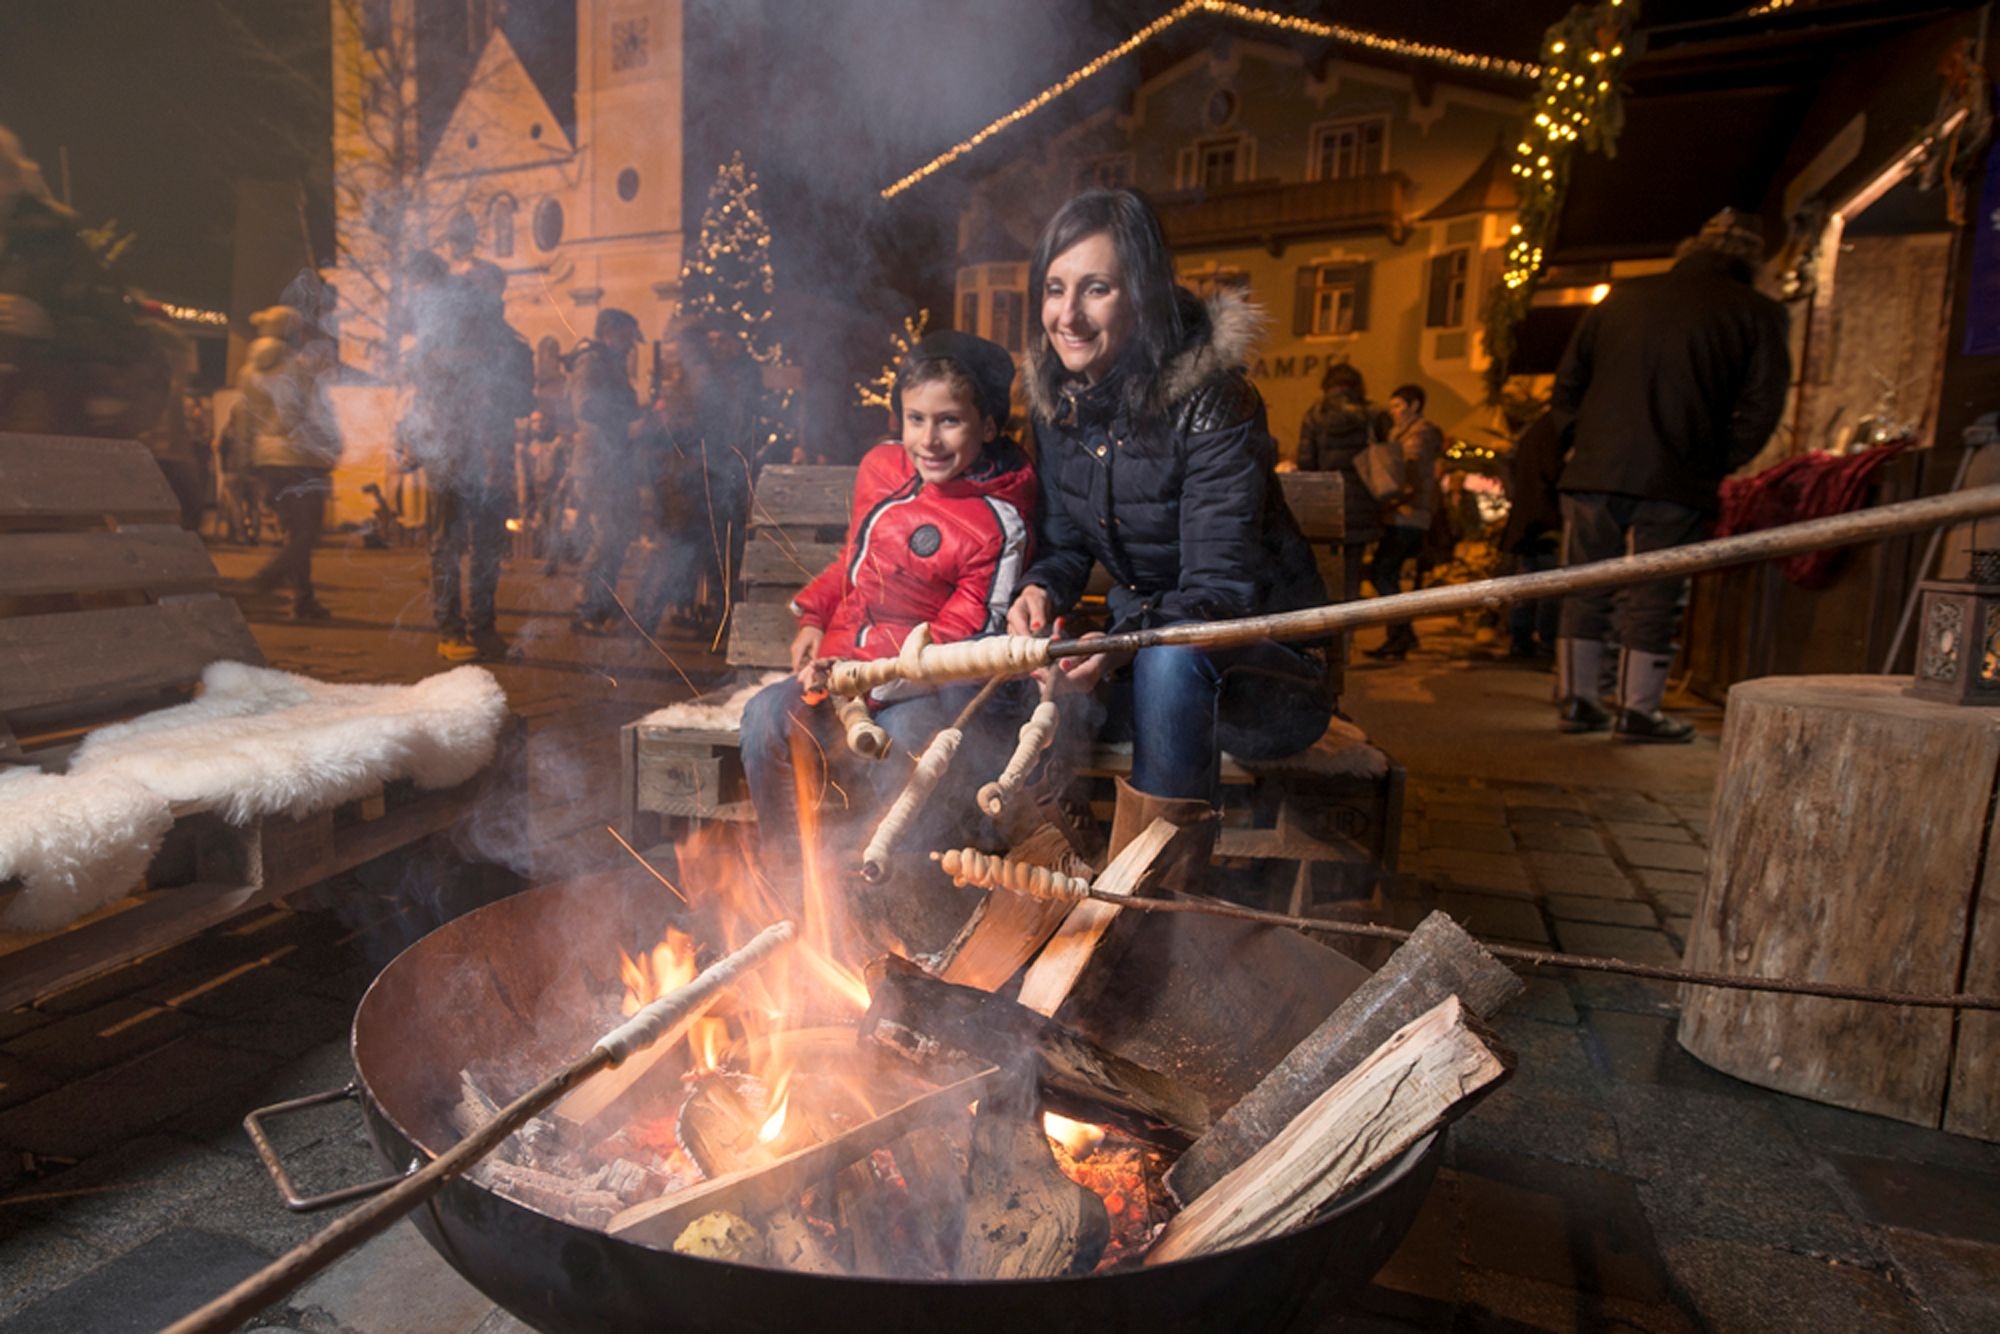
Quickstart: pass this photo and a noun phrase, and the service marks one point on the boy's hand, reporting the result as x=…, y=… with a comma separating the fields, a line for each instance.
x=805, y=646
x=1031, y=613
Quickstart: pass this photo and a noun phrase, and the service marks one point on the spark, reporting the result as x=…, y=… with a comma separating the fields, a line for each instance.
x=654, y=870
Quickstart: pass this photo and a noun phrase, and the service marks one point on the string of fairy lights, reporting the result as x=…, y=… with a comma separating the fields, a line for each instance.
x=1336, y=32
x=880, y=392
x=1577, y=103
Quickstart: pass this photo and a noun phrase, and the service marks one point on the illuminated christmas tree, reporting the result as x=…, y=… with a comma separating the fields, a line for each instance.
x=728, y=273
x=880, y=391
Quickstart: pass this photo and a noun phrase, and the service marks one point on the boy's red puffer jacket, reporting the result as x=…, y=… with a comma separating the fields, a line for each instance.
x=950, y=555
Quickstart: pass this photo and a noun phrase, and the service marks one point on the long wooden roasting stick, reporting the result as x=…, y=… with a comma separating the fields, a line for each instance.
x=971, y=659
x=258, y=1291
x=923, y=780
x=969, y=866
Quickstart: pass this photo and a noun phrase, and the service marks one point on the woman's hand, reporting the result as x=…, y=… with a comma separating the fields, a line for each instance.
x=805, y=647
x=1031, y=613
x=1080, y=675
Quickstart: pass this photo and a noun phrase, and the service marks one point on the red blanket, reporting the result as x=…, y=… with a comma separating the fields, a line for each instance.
x=1807, y=486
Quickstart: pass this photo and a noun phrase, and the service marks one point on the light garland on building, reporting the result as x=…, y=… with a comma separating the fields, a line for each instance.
x=193, y=315
x=1426, y=51
x=1577, y=103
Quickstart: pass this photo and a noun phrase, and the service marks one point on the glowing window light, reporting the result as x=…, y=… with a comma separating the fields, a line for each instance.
x=1370, y=41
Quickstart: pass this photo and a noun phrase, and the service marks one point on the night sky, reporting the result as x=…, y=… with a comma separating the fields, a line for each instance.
x=163, y=105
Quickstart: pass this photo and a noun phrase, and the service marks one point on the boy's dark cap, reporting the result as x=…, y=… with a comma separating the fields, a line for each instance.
x=990, y=365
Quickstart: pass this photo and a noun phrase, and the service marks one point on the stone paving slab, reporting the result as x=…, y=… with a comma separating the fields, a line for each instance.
x=1919, y=1197
x=1558, y=1223
x=1495, y=915
x=1956, y=1281
x=1625, y=831
x=1740, y=1285
x=1467, y=837
x=1609, y=912
x=1477, y=870
x=394, y=1284
x=1654, y=855
x=139, y=1292
x=1631, y=944
x=1540, y=836
x=1577, y=873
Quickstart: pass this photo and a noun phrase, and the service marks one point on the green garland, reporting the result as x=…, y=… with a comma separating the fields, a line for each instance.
x=1577, y=102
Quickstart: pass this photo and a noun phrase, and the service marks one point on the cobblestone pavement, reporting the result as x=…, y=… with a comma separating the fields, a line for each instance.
x=1614, y=1183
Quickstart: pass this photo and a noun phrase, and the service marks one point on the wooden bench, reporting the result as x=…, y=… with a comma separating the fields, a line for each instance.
x=1326, y=830
x=108, y=610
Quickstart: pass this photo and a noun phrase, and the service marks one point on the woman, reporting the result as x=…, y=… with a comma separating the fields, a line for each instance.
x=1155, y=461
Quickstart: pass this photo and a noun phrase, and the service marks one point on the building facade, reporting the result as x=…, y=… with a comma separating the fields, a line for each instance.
x=1362, y=201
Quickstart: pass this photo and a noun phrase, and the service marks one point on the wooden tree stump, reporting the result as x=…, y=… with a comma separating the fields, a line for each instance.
x=1851, y=844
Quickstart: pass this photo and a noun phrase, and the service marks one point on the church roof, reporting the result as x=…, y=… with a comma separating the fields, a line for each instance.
x=501, y=120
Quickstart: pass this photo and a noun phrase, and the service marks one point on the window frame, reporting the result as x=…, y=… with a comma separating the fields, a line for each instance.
x=1457, y=304
x=1327, y=129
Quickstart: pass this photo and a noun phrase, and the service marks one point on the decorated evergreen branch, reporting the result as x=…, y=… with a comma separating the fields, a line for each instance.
x=728, y=273
x=1577, y=102
x=876, y=393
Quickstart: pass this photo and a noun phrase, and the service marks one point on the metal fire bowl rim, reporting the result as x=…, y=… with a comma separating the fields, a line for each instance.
x=1377, y=1183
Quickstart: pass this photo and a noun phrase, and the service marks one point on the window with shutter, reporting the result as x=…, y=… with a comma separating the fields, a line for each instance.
x=1444, y=307
x=1332, y=299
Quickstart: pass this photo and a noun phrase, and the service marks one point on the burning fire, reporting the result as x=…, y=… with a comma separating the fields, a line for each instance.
x=669, y=965
x=1078, y=1138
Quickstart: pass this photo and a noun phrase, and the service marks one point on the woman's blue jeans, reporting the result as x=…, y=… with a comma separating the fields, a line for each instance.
x=1258, y=701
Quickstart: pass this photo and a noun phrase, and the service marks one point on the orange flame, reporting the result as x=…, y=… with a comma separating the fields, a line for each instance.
x=669, y=965
x=1078, y=1138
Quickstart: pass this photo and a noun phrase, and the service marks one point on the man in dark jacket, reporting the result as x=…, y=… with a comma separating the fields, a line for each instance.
x=1670, y=384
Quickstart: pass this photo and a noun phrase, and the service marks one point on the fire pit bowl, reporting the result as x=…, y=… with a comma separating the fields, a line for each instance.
x=513, y=979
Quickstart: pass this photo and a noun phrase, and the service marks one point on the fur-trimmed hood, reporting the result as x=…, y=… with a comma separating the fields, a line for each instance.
x=1223, y=332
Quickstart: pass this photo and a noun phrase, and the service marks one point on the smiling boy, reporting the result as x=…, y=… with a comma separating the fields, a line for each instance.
x=940, y=530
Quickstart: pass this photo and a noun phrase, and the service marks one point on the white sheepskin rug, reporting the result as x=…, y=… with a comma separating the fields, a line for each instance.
x=73, y=846
x=713, y=712
x=256, y=742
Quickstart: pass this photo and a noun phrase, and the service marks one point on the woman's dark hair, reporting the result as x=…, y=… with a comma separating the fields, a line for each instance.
x=612, y=321
x=1347, y=379
x=1148, y=272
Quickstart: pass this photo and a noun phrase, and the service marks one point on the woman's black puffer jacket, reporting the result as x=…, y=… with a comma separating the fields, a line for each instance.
x=1179, y=503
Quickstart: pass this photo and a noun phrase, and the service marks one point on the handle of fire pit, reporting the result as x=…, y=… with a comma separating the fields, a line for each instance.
x=274, y=1162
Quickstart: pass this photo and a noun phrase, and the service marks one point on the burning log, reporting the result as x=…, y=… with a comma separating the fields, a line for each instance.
x=1424, y=1075
x=549, y=1193
x=1064, y=958
x=909, y=1009
x=778, y=1184
x=1023, y=1217
x=1005, y=930
x=1439, y=960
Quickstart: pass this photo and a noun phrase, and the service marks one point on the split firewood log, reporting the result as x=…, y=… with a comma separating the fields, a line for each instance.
x=1438, y=960
x=1006, y=930
x=1428, y=1072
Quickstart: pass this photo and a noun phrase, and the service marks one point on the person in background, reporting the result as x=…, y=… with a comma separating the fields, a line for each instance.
x=1532, y=537
x=723, y=390
x=1671, y=383
x=241, y=499
x=551, y=436
x=610, y=472
x=1407, y=515
x=1334, y=431
x=294, y=445
x=473, y=380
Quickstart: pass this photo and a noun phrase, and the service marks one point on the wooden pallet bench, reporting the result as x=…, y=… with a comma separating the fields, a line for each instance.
x=109, y=610
x=1327, y=821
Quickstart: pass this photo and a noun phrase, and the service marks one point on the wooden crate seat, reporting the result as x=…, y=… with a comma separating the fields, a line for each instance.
x=1334, y=810
x=108, y=612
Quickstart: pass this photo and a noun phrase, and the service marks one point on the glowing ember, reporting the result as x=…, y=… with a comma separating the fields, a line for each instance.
x=1078, y=1138
x=516, y=526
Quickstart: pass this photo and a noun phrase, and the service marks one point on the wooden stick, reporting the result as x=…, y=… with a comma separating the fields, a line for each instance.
x=258, y=1291
x=1439, y=960
x=772, y=1185
x=1426, y=1073
x=1036, y=736
x=970, y=659
x=923, y=780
